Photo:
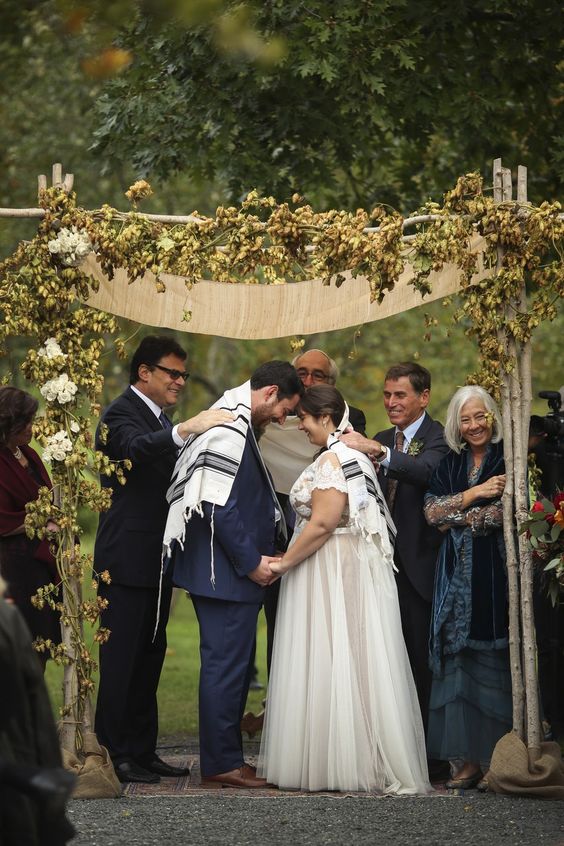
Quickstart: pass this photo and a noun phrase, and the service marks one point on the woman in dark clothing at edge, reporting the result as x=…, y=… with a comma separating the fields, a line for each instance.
x=25, y=564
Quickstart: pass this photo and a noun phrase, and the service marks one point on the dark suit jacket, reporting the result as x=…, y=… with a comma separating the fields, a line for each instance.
x=357, y=420
x=244, y=529
x=417, y=543
x=130, y=535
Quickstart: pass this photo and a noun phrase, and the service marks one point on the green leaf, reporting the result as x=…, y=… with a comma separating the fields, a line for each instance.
x=555, y=532
x=548, y=506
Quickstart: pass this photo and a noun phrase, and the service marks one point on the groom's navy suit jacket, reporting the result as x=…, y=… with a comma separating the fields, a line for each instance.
x=244, y=529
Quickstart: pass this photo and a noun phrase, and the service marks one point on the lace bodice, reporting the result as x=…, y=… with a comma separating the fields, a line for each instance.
x=325, y=472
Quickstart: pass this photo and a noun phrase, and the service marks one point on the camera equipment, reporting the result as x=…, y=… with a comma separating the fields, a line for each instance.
x=552, y=424
x=551, y=428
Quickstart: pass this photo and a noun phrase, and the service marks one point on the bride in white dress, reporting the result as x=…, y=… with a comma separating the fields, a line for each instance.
x=342, y=711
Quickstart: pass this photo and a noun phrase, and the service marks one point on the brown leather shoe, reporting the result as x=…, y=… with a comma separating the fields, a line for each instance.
x=244, y=777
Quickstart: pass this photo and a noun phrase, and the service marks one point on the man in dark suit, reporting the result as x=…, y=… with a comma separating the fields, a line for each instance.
x=224, y=566
x=129, y=546
x=408, y=453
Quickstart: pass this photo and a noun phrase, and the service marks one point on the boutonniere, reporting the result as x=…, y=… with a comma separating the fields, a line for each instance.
x=414, y=447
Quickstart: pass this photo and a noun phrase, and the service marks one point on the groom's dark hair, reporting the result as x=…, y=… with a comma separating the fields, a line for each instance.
x=150, y=351
x=280, y=373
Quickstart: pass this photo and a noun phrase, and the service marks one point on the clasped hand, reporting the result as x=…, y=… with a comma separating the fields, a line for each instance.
x=264, y=575
x=493, y=487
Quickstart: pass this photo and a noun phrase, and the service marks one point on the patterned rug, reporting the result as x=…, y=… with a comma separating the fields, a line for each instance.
x=191, y=785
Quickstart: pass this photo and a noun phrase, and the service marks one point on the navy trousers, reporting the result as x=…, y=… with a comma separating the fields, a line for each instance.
x=227, y=634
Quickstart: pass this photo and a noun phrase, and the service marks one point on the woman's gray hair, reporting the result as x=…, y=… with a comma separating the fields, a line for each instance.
x=454, y=411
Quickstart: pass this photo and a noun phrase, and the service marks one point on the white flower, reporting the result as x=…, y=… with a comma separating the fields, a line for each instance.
x=74, y=427
x=71, y=245
x=61, y=389
x=58, y=447
x=51, y=350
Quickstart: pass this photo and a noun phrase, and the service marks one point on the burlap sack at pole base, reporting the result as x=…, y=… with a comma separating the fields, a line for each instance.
x=96, y=778
x=511, y=771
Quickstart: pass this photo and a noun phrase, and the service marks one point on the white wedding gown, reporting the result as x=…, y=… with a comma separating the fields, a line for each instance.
x=342, y=711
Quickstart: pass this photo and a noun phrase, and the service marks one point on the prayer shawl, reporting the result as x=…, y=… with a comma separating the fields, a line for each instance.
x=206, y=469
x=470, y=596
x=368, y=510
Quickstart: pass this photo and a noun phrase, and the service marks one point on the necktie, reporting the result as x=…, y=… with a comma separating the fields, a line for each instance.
x=164, y=421
x=393, y=483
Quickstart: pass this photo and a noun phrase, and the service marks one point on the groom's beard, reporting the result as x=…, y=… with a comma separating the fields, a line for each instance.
x=261, y=416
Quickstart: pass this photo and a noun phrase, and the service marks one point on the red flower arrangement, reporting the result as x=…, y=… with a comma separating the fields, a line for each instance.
x=545, y=532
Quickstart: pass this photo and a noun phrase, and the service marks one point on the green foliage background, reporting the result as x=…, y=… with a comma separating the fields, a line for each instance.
x=350, y=103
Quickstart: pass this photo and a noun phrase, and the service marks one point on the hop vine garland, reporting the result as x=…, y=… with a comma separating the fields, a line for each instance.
x=260, y=242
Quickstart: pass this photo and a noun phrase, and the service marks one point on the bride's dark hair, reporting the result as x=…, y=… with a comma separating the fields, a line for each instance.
x=323, y=399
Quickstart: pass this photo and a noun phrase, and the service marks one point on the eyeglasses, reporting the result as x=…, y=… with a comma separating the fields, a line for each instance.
x=174, y=374
x=316, y=375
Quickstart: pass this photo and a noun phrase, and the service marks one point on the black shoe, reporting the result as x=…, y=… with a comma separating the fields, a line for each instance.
x=156, y=765
x=130, y=771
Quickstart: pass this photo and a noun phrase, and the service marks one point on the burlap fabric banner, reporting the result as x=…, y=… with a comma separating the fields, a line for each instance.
x=262, y=311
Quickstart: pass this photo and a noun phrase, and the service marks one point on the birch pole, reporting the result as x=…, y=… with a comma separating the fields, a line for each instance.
x=76, y=711
x=522, y=397
x=512, y=559
x=516, y=407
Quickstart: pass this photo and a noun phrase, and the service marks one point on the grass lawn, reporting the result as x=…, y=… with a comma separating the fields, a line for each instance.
x=178, y=689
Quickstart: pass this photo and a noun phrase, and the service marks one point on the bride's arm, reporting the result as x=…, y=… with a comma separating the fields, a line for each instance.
x=327, y=506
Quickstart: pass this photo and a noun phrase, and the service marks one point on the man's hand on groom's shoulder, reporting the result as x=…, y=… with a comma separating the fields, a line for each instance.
x=204, y=421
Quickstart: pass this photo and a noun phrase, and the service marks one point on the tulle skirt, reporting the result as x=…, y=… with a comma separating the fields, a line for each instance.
x=342, y=710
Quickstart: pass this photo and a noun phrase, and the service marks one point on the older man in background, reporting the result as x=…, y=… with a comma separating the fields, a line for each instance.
x=314, y=367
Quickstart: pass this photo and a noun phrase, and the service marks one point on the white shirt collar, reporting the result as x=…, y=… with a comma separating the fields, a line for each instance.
x=156, y=409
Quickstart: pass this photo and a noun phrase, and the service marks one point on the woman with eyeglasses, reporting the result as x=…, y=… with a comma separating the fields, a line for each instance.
x=470, y=707
x=25, y=564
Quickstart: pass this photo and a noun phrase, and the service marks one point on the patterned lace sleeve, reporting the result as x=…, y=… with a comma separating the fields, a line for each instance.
x=444, y=510
x=484, y=519
x=329, y=473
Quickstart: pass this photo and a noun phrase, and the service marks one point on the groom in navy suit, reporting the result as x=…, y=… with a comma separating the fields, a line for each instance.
x=223, y=563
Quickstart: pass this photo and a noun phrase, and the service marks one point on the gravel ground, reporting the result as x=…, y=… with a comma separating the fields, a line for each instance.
x=471, y=819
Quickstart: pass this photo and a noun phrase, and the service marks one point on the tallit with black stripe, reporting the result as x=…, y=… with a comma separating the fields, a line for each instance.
x=206, y=467
x=367, y=507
